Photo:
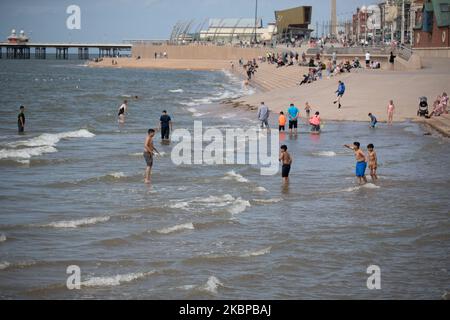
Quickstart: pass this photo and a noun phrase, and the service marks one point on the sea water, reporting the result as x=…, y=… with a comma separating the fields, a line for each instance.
x=72, y=193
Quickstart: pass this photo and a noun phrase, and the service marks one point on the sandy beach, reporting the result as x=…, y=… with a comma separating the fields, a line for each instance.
x=366, y=90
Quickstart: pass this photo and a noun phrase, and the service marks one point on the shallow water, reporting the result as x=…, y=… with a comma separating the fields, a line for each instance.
x=71, y=193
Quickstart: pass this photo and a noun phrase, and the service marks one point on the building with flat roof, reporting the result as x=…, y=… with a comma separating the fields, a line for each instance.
x=293, y=23
x=432, y=25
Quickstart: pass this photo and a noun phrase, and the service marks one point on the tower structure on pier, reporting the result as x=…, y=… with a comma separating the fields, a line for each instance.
x=333, y=20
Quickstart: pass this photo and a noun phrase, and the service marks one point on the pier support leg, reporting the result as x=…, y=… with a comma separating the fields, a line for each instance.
x=86, y=53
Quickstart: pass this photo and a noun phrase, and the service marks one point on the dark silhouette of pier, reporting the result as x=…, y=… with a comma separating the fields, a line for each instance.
x=24, y=50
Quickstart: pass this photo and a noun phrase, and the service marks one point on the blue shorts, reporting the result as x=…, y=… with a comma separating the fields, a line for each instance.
x=361, y=169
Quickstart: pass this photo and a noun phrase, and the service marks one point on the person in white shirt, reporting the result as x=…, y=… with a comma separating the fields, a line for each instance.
x=368, y=59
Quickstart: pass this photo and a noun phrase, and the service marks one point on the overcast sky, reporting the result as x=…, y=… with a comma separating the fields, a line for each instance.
x=117, y=20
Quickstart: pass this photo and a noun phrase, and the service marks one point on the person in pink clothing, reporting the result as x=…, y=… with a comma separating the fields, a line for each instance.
x=315, y=123
x=390, y=111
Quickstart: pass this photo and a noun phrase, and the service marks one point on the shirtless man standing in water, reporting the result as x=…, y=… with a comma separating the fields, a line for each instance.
x=149, y=150
x=361, y=162
x=286, y=160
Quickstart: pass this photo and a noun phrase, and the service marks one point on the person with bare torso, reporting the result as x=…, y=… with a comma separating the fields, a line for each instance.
x=361, y=161
x=149, y=150
x=286, y=161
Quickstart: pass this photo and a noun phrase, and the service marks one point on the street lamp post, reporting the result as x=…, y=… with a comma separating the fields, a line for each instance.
x=256, y=21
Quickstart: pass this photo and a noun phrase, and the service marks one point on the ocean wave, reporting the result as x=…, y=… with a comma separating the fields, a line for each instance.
x=51, y=139
x=256, y=253
x=186, y=226
x=232, y=205
x=177, y=91
x=239, y=206
x=76, y=223
x=370, y=186
x=212, y=285
x=25, y=153
x=2, y=238
x=45, y=143
x=274, y=200
x=4, y=265
x=116, y=175
x=260, y=189
x=116, y=280
x=232, y=175
x=325, y=154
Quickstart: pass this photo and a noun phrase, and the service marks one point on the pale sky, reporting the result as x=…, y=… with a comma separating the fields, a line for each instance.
x=117, y=20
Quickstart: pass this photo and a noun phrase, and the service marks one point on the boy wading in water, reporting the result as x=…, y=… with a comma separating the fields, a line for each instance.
x=286, y=160
x=361, y=162
x=373, y=162
x=149, y=150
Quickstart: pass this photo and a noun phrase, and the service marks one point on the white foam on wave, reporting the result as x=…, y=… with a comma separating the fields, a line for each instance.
x=25, y=153
x=239, y=206
x=177, y=91
x=370, y=186
x=180, y=227
x=4, y=265
x=212, y=285
x=2, y=238
x=51, y=139
x=274, y=200
x=116, y=280
x=256, y=253
x=77, y=223
x=45, y=143
x=117, y=175
x=232, y=175
x=260, y=189
x=325, y=154
x=232, y=205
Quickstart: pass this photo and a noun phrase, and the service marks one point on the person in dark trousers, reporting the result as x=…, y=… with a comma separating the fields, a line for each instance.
x=340, y=93
x=392, y=60
x=21, y=120
x=165, y=125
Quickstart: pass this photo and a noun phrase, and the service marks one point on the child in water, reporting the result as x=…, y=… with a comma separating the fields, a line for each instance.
x=286, y=161
x=315, y=122
x=308, y=110
x=373, y=162
x=361, y=161
x=282, y=122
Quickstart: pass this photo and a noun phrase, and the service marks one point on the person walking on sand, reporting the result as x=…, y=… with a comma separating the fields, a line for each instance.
x=373, y=162
x=165, y=125
x=340, y=93
x=263, y=115
x=361, y=162
x=21, y=120
x=149, y=150
x=293, y=114
x=282, y=122
x=122, y=111
x=390, y=111
x=286, y=161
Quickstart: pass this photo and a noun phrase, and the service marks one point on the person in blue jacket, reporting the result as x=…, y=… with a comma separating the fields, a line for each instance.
x=340, y=93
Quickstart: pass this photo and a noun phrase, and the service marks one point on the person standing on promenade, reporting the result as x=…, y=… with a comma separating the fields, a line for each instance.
x=392, y=60
x=21, y=120
x=367, y=59
x=286, y=161
x=390, y=111
x=361, y=161
x=293, y=114
x=340, y=93
x=149, y=150
x=263, y=115
x=165, y=124
x=373, y=162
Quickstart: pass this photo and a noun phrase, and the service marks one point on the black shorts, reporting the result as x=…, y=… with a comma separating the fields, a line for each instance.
x=148, y=159
x=21, y=128
x=281, y=128
x=285, y=170
x=293, y=124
